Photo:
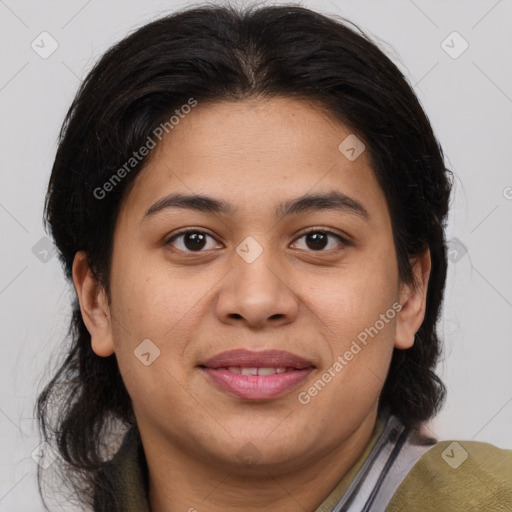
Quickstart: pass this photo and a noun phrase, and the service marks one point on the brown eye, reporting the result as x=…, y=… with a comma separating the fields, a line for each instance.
x=194, y=241
x=318, y=240
x=189, y=241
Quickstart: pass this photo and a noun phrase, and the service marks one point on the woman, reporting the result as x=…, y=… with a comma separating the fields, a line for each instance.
x=251, y=206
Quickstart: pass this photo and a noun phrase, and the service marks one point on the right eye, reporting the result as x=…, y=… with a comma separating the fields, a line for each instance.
x=190, y=240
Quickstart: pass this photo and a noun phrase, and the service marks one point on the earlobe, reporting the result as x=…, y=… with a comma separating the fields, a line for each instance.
x=413, y=300
x=93, y=305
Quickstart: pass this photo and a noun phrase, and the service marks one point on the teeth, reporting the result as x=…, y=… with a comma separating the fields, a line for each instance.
x=257, y=371
x=266, y=371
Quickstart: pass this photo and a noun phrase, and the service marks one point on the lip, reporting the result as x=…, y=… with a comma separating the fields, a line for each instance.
x=252, y=359
x=257, y=387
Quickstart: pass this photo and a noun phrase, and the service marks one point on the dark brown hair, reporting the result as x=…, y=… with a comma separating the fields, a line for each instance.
x=213, y=53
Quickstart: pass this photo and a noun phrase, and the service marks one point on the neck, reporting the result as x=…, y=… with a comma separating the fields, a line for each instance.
x=179, y=482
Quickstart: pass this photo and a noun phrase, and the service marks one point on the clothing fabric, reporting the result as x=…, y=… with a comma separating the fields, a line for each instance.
x=398, y=471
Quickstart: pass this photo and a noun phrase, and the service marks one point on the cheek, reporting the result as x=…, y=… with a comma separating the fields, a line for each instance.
x=161, y=305
x=158, y=392
x=359, y=329
x=357, y=318
x=149, y=305
x=353, y=299
x=153, y=300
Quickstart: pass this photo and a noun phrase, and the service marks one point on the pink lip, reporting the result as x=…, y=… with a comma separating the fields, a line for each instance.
x=252, y=359
x=257, y=387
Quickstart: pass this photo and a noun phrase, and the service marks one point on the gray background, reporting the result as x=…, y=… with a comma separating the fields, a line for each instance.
x=468, y=100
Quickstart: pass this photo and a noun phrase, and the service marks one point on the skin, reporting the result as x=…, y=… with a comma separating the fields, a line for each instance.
x=296, y=297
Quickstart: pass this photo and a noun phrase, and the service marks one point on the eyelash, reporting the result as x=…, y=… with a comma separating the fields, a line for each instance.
x=343, y=242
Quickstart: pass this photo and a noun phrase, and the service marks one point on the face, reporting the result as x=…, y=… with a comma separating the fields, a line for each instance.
x=266, y=265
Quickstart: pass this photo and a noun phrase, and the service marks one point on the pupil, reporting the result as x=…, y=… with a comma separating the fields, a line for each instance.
x=319, y=240
x=194, y=241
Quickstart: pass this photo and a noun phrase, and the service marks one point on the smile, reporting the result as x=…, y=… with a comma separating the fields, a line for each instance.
x=251, y=375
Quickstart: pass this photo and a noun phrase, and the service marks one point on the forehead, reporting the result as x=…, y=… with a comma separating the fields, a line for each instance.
x=256, y=154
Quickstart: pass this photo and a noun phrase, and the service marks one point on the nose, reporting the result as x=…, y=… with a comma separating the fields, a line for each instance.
x=256, y=294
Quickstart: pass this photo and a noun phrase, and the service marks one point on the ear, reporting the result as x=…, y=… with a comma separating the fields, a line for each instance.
x=413, y=300
x=93, y=305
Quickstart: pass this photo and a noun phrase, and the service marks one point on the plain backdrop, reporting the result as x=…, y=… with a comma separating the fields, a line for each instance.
x=464, y=82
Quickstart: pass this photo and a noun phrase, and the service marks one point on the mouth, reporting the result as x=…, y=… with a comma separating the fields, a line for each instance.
x=253, y=375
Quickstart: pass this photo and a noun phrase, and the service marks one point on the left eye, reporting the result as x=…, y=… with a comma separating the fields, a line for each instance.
x=316, y=240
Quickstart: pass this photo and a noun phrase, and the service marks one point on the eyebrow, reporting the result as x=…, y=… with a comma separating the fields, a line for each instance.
x=333, y=200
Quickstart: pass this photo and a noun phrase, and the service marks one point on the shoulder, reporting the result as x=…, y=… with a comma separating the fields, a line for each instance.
x=455, y=476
